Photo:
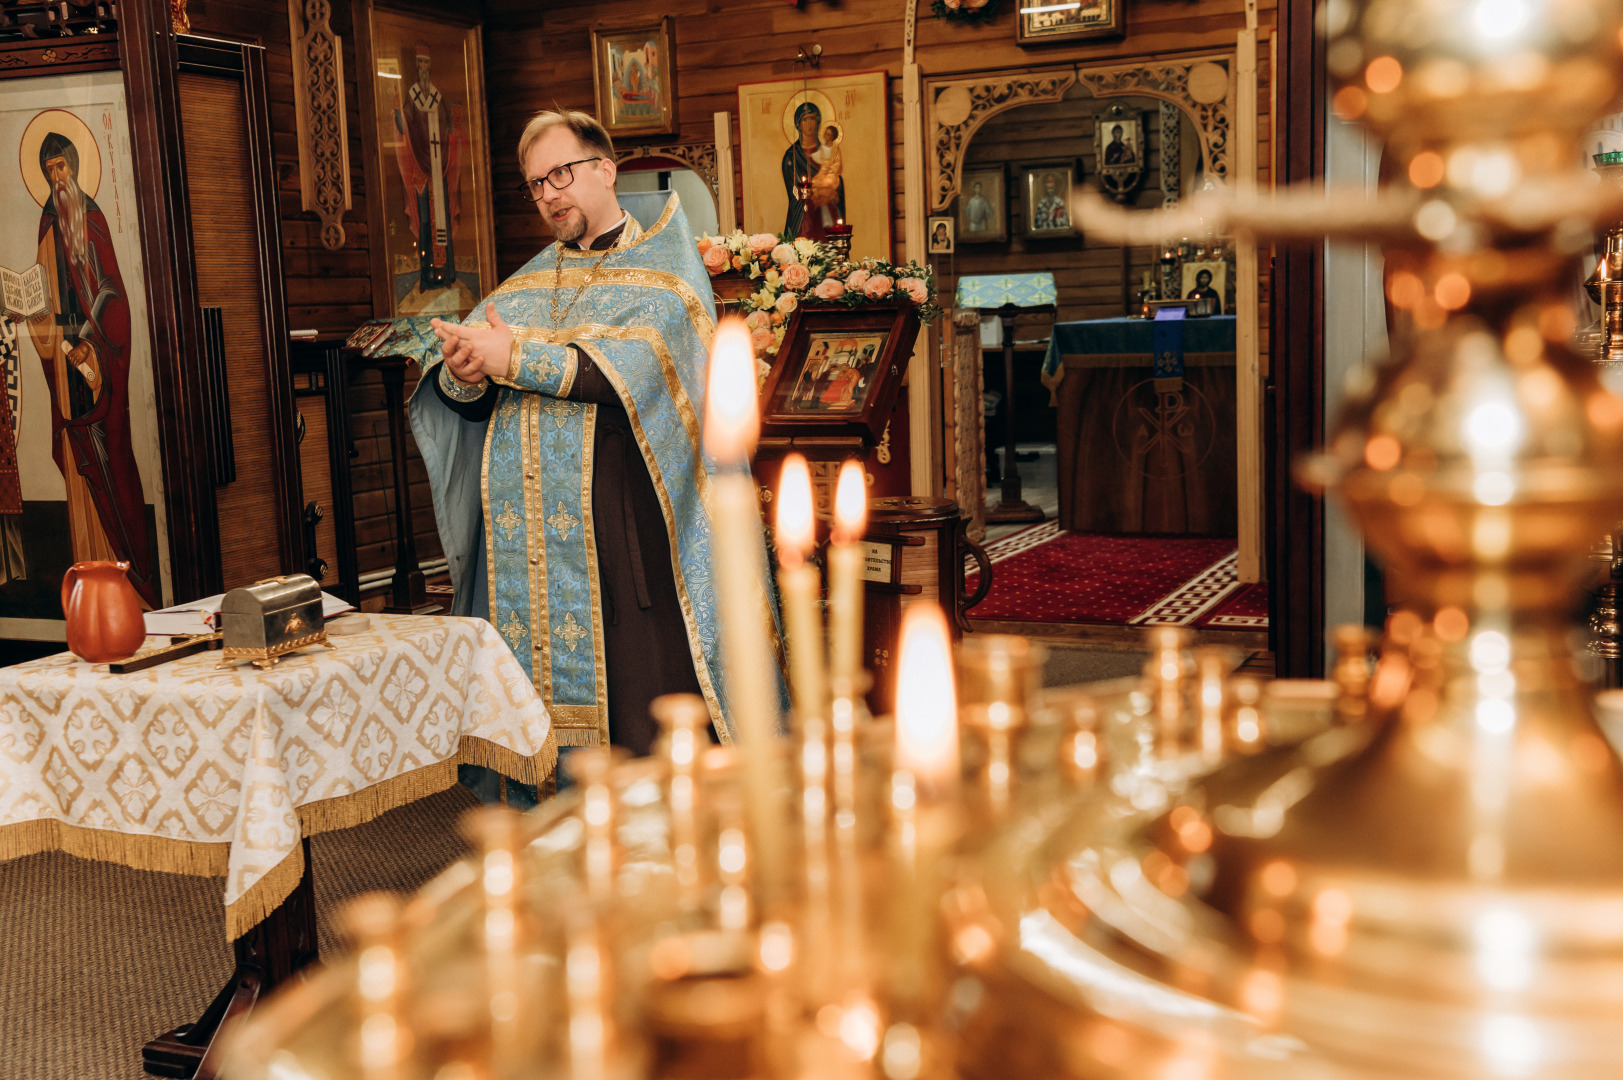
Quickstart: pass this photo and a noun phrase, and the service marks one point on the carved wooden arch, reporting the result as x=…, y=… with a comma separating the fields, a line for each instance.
x=970, y=101
x=700, y=157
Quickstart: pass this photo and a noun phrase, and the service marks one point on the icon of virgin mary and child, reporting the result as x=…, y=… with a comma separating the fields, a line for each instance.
x=812, y=169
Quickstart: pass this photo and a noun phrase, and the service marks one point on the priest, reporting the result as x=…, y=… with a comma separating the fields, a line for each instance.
x=560, y=427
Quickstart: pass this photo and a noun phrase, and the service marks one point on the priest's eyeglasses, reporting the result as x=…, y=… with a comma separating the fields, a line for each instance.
x=559, y=178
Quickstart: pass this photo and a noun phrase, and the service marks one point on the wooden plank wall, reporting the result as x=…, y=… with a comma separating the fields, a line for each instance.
x=539, y=57
x=330, y=291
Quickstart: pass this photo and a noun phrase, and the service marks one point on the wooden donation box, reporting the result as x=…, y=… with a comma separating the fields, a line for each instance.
x=915, y=549
x=1146, y=425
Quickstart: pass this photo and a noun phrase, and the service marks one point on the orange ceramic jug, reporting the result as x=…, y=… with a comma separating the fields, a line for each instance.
x=103, y=611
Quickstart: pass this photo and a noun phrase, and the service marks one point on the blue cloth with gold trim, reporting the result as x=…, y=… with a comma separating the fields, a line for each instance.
x=513, y=496
x=987, y=291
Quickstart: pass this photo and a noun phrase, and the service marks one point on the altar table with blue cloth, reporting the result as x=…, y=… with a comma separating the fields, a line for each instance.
x=1146, y=425
x=1102, y=337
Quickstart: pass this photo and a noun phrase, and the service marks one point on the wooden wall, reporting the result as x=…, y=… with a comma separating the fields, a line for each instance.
x=539, y=56
x=329, y=291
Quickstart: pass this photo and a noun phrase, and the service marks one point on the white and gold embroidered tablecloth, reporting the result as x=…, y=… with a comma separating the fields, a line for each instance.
x=191, y=769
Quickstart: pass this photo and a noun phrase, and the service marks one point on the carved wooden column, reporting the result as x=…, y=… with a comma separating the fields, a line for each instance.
x=318, y=99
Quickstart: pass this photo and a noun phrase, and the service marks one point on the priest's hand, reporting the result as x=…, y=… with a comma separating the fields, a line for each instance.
x=473, y=352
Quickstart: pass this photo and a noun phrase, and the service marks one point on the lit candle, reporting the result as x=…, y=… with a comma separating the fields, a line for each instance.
x=799, y=586
x=732, y=423
x=926, y=705
x=845, y=571
x=924, y=781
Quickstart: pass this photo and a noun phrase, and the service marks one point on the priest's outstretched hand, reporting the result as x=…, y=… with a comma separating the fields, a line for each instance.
x=473, y=352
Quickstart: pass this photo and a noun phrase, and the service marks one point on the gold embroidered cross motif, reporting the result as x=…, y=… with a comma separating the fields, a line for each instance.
x=546, y=367
x=571, y=631
x=560, y=411
x=509, y=408
x=508, y=519
x=512, y=630
x=563, y=521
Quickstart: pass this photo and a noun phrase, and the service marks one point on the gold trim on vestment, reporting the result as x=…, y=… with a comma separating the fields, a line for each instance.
x=700, y=314
x=673, y=385
x=576, y=725
x=589, y=537
x=535, y=540
x=695, y=643
x=571, y=369
x=632, y=235
x=490, y=536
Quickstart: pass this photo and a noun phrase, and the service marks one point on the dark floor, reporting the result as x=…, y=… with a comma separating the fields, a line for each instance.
x=96, y=959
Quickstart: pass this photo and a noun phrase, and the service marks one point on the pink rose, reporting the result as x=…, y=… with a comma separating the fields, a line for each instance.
x=761, y=340
x=716, y=259
x=784, y=254
x=796, y=276
x=856, y=278
x=761, y=243
x=914, y=288
x=830, y=288
x=756, y=319
x=787, y=302
x=877, y=287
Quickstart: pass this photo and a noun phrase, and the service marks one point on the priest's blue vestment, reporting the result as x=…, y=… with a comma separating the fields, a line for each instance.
x=513, y=495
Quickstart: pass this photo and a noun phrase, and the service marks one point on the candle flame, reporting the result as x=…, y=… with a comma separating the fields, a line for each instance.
x=850, y=503
x=731, y=417
x=795, y=537
x=926, y=700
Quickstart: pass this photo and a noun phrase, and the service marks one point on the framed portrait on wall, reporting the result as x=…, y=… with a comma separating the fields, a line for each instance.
x=430, y=203
x=1205, y=279
x=1045, y=189
x=1119, y=151
x=1044, y=23
x=940, y=234
x=81, y=476
x=815, y=153
x=838, y=371
x=634, y=78
x=982, y=213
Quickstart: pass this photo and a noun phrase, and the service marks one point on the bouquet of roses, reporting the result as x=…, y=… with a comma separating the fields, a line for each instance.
x=802, y=271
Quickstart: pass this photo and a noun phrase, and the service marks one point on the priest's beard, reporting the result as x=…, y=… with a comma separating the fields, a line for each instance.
x=70, y=221
x=569, y=231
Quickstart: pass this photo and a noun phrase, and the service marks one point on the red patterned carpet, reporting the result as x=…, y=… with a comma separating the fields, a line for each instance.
x=1044, y=575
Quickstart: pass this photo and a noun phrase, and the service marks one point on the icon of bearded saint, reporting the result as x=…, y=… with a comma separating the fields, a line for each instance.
x=84, y=344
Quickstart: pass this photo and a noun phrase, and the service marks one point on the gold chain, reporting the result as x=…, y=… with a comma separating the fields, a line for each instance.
x=558, y=284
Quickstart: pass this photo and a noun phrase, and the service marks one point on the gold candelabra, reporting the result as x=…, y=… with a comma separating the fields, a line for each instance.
x=1414, y=868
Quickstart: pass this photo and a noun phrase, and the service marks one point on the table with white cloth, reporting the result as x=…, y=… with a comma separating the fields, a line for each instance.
x=191, y=768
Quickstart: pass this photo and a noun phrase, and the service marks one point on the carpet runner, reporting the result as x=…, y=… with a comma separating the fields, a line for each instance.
x=1045, y=575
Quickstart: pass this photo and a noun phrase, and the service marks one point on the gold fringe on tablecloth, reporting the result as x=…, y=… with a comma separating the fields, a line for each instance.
x=134, y=850
x=265, y=895
x=357, y=808
x=208, y=859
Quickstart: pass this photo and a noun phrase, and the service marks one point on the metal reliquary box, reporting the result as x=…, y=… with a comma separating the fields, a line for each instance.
x=271, y=618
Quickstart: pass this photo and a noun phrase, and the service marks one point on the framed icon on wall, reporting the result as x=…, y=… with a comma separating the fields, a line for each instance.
x=1041, y=24
x=634, y=78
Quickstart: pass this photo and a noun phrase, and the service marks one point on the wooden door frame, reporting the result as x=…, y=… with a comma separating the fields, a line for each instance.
x=1295, y=388
x=209, y=55
x=150, y=53
x=151, y=87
